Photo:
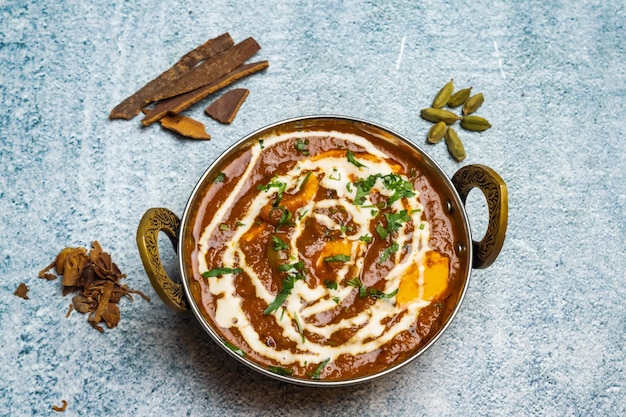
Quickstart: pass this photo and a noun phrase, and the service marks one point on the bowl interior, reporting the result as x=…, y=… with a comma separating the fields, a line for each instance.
x=446, y=200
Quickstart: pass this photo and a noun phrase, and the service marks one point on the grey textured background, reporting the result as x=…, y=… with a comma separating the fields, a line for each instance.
x=541, y=332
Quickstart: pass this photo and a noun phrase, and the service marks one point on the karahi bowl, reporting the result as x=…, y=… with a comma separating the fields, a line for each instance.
x=448, y=199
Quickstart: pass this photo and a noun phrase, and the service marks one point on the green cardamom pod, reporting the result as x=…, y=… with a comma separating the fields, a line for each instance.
x=460, y=97
x=439, y=115
x=473, y=103
x=437, y=132
x=455, y=146
x=443, y=95
x=475, y=123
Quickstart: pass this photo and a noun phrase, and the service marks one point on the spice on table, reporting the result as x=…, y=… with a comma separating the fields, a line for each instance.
x=444, y=119
x=475, y=123
x=437, y=132
x=61, y=408
x=131, y=106
x=21, y=291
x=225, y=108
x=439, y=115
x=460, y=97
x=442, y=97
x=185, y=126
x=210, y=67
x=455, y=146
x=473, y=103
x=96, y=278
x=182, y=102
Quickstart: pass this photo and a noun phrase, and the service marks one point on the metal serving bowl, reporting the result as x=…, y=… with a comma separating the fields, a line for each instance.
x=454, y=191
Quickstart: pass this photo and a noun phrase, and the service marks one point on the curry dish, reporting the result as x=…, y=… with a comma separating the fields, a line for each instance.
x=324, y=254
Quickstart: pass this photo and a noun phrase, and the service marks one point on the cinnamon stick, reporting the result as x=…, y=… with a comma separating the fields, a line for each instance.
x=185, y=126
x=179, y=103
x=210, y=70
x=225, y=108
x=132, y=105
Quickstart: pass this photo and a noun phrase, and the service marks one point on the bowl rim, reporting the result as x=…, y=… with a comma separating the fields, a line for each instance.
x=320, y=382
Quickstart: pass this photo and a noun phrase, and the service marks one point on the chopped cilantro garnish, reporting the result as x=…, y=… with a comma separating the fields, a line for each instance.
x=319, y=369
x=400, y=187
x=388, y=252
x=280, y=370
x=219, y=178
x=216, y=272
x=301, y=146
x=224, y=227
x=288, y=284
x=353, y=160
x=306, y=178
x=330, y=284
x=298, y=266
x=382, y=232
x=274, y=184
x=337, y=258
x=300, y=327
x=363, y=188
x=366, y=239
x=356, y=282
x=336, y=175
x=373, y=292
x=395, y=220
x=285, y=218
x=261, y=144
x=279, y=244
x=234, y=348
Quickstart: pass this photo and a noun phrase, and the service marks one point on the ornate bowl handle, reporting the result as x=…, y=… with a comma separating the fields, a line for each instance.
x=494, y=188
x=157, y=220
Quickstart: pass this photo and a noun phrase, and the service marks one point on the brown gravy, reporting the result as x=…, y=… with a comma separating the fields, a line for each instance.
x=324, y=255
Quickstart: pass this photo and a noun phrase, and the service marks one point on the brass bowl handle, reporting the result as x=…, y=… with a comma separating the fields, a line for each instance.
x=157, y=220
x=494, y=188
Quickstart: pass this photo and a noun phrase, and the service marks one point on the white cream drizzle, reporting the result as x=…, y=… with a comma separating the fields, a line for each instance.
x=335, y=173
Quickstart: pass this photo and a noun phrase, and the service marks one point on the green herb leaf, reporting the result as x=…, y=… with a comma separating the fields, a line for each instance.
x=234, y=348
x=288, y=284
x=298, y=266
x=374, y=293
x=356, y=282
x=279, y=244
x=280, y=370
x=216, y=272
x=281, y=186
x=300, y=327
x=219, y=178
x=353, y=160
x=395, y=220
x=366, y=239
x=330, y=284
x=301, y=146
x=337, y=258
x=285, y=218
x=319, y=369
x=400, y=187
x=388, y=252
x=363, y=188
x=382, y=232
x=305, y=179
